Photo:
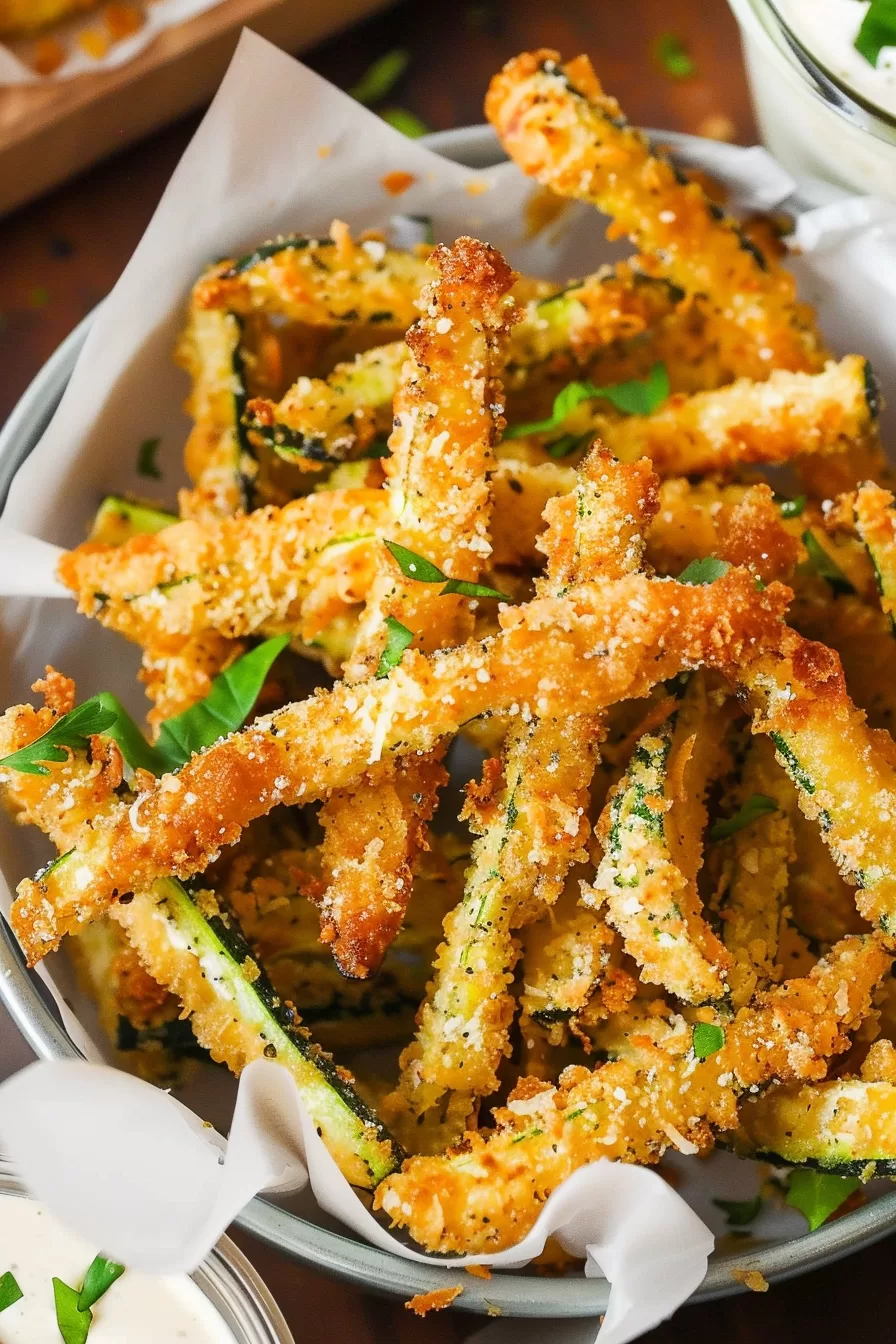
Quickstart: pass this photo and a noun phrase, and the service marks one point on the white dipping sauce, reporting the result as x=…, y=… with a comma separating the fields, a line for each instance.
x=137, y=1309
x=828, y=29
x=799, y=125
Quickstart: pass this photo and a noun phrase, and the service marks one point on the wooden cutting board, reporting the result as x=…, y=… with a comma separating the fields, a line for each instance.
x=50, y=132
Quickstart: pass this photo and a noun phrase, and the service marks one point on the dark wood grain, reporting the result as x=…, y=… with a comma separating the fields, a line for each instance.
x=59, y=256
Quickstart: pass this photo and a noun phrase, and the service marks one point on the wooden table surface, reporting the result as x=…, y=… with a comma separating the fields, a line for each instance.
x=59, y=256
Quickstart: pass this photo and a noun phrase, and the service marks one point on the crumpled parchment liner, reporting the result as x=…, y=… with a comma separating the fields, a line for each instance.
x=135, y=1172
x=281, y=150
x=14, y=55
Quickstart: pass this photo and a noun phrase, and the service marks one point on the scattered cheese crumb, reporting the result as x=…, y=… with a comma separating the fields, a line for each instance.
x=396, y=183
x=750, y=1278
x=437, y=1300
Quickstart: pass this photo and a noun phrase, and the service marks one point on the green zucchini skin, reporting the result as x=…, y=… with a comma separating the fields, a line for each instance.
x=291, y=243
x=843, y=1126
x=286, y=442
x=346, y=1123
x=865, y=1169
x=118, y=519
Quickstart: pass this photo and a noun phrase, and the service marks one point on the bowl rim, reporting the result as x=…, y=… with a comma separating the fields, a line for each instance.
x=331, y=1252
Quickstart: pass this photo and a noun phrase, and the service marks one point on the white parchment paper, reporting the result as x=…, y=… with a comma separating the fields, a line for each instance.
x=280, y=150
x=16, y=56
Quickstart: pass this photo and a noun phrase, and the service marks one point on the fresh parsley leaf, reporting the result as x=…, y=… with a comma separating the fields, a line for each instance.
x=417, y=567
x=10, y=1291
x=825, y=565
x=792, y=508
x=398, y=637
x=146, y=459
x=99, y=1278
x=757, y=805
x=405, y=121
x=379, y=79
x=739, y=1212
x=703, y=571
x=225, y=708
x=878, y=30
x=708, y=1038
x=636, y=397
x=467, y=589
x=569, y=443
x=377, y=448
x=73, y=1323
x=817, y=1194
x=72, y=730
x=673, y=57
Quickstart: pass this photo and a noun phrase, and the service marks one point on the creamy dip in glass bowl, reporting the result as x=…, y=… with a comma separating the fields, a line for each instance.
x=222, y=1302
x=824, y=110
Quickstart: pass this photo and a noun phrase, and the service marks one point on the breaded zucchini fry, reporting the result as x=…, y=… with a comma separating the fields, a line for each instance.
x=240, y=576
x=447, y=415
x=874, y=517
x=485, y=1194
x=329, y=420
x=559, y=126
x=738, y=523
x=845, y=1125
x=845, y=772
x=334, y=418
x=756, y=869
x=772, y=421
x=530, y=813
x=190, y=946
x=650, y=830
x=322, y=281
x=607, y=642
x=218, y=456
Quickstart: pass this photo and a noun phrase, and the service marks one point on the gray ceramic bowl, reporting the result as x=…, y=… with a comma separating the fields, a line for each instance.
x=516, y=1294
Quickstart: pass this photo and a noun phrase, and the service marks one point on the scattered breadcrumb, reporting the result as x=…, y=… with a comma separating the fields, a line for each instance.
x=324, y=151
x=49, y=55
x=477, y=186
x=94, y=42
x=396, y=183
x=750, y=1278
x=478, y=1271
x=437, y=1300
x=717, y=127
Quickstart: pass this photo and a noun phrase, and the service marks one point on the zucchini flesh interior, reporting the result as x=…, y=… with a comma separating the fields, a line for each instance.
x=118, y=519
x=192, y=947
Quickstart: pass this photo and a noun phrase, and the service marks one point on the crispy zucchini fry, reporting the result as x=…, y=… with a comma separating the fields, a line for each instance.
x=249, y=575
x=530, y=814
x=447, y=415
x=738, y=523
x=650, y=831
x=485, y=1194
x=190, y=946
x=874, y=515
x=844, y=771
x=607, y=642
x=772, y=421
x=559, y=126
x=846, y=1126
x=334, y=418
x=329, y=420
x=756, y=869
x=324, y=281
